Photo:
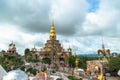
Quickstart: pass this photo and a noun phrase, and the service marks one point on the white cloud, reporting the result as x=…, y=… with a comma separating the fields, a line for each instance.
x=22, y=40
x=104, y=21
x=70, y=17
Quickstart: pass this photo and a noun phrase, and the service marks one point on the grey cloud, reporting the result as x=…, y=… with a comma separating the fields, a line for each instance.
x=35, y=16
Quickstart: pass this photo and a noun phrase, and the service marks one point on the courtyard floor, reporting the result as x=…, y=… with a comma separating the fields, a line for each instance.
x=112, y=78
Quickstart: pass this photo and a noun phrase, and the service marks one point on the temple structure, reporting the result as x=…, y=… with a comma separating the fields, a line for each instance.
x=34, y=53
x=104, y=53
x=53, y=50
x=11, y=50
x=100, y=65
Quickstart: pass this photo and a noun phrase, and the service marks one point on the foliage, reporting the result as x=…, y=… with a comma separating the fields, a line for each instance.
x=10, y=62
x=114, y=64
x=31, y=70
x=59, y=79
x=23, y=68
x=72, y=61
x=27, y=52
x=73, y=78
x=119, y=55
x=46, y=61
x=82, y=63
x=2, y=50
x=32, y=60
x=53, y=71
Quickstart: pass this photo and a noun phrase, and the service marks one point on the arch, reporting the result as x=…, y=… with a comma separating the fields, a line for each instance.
x=100, y=51
x=108, y=51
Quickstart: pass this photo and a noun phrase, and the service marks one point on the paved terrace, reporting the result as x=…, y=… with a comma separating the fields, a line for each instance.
x=112, y=78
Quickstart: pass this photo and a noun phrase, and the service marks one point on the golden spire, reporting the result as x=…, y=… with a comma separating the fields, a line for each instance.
x=76, y=61
x=53, y=21
x=103, y=47
x=52, y=31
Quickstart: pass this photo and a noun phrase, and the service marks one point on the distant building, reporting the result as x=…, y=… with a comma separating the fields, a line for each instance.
x=11, y=50
x=34, y=53
x=114, y=55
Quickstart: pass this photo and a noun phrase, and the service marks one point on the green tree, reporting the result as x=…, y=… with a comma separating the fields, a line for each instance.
x=46, y=61
x=31, y=70
x=72, y=61
x=2, y=50
x=10, y=60
x=27, y=52
x=119, y=55
x=114, y=64
x=74, y=78
x=82, y=63
x=59, y=79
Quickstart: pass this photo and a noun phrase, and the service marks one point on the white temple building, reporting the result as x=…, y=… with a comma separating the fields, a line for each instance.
x=16, y=75
x=2, y=72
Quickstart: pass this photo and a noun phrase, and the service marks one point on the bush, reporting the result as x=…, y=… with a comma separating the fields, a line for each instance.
x=59, y=79
x=31, y=70
x=73, y=78
x=114, y=66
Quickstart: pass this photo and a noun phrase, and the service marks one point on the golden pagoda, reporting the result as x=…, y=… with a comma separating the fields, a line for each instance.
x=53, y=50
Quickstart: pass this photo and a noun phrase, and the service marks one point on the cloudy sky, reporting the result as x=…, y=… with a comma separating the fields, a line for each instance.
x=80, y=24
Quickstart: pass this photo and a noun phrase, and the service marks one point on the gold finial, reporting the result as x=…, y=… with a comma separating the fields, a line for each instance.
x=53, y=21
x=52, y=31
x=76, y=62
x=103, y=47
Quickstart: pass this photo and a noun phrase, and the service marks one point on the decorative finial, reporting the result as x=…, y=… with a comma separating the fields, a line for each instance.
x=53, y=21
x=103, y=47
